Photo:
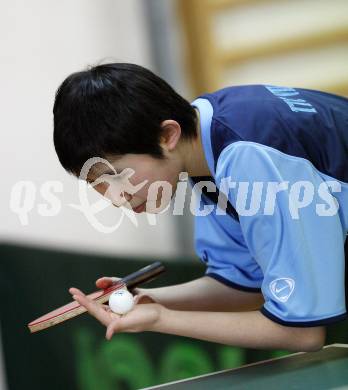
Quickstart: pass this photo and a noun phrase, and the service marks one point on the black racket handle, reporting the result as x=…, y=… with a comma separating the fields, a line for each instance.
x=143, y=275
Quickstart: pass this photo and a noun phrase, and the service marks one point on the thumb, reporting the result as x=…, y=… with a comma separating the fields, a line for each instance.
x=106, y=281
x=111, y=329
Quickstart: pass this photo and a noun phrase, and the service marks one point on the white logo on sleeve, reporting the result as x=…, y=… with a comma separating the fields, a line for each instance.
x=282, y=288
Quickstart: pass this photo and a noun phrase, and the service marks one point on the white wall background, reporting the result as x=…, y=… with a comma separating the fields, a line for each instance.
x=247, y=26
x=42, y=41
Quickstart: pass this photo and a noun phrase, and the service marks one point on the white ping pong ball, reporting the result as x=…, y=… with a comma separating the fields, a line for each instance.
x=121, y=301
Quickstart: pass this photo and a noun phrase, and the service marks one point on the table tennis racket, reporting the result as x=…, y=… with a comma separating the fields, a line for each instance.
x=73, y=309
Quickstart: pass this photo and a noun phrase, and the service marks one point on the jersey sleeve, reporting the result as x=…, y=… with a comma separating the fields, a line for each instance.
x=287, y=216
x=220, y=245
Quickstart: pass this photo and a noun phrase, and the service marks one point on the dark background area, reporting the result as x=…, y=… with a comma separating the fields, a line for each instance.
x=75, y=354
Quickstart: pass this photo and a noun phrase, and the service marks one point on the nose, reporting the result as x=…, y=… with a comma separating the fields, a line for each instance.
x=127, y=196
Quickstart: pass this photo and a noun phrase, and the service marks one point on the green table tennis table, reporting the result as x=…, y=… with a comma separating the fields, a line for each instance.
x=326, y=369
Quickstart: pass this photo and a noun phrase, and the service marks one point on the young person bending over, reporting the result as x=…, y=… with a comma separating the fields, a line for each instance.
x=275, y=273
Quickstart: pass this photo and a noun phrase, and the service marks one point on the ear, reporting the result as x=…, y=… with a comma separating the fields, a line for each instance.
x=171, y=133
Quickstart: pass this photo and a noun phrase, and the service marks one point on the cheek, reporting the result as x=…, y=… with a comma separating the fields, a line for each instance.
x=153, y=174
x=136, y=180
x=160, y=193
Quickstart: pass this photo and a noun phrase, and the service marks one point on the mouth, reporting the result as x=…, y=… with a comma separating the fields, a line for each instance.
x=140, y=208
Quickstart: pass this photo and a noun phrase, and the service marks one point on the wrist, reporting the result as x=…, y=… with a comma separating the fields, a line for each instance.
x=159, y=324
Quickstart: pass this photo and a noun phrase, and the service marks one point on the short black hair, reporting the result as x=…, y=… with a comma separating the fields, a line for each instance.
x=115, y=109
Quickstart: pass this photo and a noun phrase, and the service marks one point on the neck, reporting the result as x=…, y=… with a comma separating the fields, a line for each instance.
x=195, y=163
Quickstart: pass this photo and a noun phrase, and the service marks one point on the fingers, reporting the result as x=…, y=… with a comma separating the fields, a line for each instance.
x=106, y=281
x=75, y=291
x=112, y=327
x=93, y=308
x=137, y=320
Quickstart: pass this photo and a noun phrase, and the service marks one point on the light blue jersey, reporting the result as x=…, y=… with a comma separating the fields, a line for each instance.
x=280, y=155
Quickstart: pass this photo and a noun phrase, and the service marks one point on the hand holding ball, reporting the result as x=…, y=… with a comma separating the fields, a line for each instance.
x=121, y=301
